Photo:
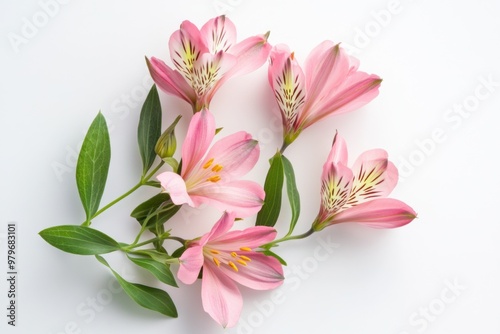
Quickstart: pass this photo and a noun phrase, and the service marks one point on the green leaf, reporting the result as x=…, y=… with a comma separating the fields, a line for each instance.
x=93, y=165
x=276, y=256
x=146, y=296
x=149, y=129
x=158, y=209
x=293, y=193
x=273, y=186
x=160, y=270
x=79, y=240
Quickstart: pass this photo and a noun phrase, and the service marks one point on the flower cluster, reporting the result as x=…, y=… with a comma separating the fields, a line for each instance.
x=210, y=170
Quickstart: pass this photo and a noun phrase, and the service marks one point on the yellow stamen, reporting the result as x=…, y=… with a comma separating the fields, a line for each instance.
x=246, y=258
x=216, y=261
x=241, y=262
x=214, y=178
x=233, y=254
x=217, y=168
x=232, y=265
x=246, y=249
x=213, y=251
x=208, y=163
x=292, y=55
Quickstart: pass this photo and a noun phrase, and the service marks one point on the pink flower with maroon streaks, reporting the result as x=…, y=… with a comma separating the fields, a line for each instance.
x=359, y=194
x=226, y=258
x=329, y=83
x=206, y=58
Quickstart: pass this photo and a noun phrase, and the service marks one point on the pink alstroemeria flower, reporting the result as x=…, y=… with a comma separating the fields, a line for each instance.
x=329, y=83
x=226, y=258
x=204, y=59
x=211, y=177
x=359, y=194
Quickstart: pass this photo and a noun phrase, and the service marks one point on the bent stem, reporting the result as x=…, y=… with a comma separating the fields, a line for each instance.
x=144, y=180
x=287, y=238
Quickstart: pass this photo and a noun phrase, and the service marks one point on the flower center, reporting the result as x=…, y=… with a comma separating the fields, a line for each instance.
x=231, y=260
x=213, y=171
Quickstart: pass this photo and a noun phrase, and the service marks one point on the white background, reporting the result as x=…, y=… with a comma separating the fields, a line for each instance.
x=434, y=58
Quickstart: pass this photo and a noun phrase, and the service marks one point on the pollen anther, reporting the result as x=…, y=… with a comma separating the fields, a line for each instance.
x=208, y=163
x=233, y=254
x=232, y=265
x=214, y=178
x=216, y=261
x=217, y=168
x=240, y=261
x=245, y=258
x=246, y=249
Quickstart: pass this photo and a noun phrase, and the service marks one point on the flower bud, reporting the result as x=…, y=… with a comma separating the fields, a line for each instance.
x=167, y=143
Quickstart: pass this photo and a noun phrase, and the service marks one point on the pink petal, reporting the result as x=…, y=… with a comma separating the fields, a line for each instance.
x=219, y=34
x=378, y=213
x=251, y=53
x=220, y=296
x=262, y=272
x=327, y=68
x=220, y=228
x=237, y=154
x=252, y=237
x=288, y=83
x=199, y=136
x=374, y=176
x=359, y=89
x=191, y=263
x=173, y=184
x=336, y=185
x=170, y=81
x=338, y=153
x=186, y=46
x=207, y=71
x=244, y=198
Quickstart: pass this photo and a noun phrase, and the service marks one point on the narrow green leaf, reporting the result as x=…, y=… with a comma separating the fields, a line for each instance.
x=79, y=240
x=160, y=270
x=293, y=193
x=158, y=209
x=154, y=254
x=273, y=186
x=146, y=296
x=276, y=256
x=93, y=165
x=149, y=129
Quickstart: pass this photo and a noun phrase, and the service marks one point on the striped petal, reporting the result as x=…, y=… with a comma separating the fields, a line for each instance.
x=207, y=71
x=170, y=81
x=374, y=176
x=288, y=83
x=335, y=189
x=186, y=47
x=219, y=34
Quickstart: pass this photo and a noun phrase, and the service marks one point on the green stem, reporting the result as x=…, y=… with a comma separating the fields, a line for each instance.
x=287, y=238
x=182, y=241
x=130, y=247
x=143, y=181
